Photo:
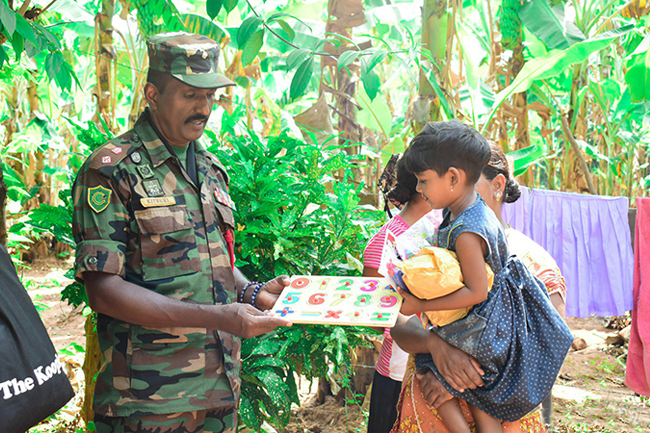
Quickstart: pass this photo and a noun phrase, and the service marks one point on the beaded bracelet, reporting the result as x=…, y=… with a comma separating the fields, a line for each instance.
x=240, y=298
x=255, y=292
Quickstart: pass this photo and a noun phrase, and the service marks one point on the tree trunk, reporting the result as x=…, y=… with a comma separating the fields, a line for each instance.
x=519, y=100
x=105, y=56
x=105, y=111
x=92, y=362
x=344, y=15
x=437, y=35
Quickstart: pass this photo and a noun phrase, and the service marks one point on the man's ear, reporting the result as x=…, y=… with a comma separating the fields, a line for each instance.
x=151, y=94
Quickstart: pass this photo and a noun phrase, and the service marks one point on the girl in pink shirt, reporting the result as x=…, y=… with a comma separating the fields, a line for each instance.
x=399, y=187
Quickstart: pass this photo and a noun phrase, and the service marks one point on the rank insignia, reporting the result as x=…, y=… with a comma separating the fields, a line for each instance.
x=145, y=171
x=99, y=198
x=116, y=150
x=136, y=157
x=106, y=159
x=152, y=187
x=224, y=198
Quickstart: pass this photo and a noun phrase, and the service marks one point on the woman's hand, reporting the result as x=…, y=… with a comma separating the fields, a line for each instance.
x=433, y=391
x=458, y=368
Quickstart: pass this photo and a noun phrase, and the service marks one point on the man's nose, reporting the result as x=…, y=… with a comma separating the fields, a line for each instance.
x=204, y=106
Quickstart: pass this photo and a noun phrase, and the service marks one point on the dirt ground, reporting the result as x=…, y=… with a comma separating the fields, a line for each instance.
x=589, y=395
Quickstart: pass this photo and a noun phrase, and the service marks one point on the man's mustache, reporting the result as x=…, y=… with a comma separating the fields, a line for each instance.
x=196, y=117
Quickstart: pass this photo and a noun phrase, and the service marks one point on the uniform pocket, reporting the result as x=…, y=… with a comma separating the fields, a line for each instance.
x=167, y=242
x=226, y=214
x=162, y=358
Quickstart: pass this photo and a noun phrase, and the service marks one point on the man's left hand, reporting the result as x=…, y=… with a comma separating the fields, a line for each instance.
x=270, y=292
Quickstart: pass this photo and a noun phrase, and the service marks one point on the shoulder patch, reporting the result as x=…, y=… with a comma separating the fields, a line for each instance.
x=99, y=198
x=111, y=153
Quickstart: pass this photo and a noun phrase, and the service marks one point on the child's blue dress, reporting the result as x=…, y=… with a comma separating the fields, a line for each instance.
x=516, y=335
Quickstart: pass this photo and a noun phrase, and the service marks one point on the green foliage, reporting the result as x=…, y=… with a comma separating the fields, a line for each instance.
x=550, y=24
x=293, y=217
x=213, y=7
x=302, y=78
x=270, y=361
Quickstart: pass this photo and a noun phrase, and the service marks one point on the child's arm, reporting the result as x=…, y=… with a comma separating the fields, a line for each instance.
x=471, y=250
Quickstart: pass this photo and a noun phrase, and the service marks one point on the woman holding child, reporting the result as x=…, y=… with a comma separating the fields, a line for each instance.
x=476, y=235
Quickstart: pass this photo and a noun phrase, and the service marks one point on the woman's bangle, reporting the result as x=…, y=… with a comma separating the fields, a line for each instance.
x=255, y=292
x=240, y=298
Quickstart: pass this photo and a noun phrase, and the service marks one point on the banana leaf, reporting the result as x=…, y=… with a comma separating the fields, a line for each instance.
x=555, y=62
x=550, y=25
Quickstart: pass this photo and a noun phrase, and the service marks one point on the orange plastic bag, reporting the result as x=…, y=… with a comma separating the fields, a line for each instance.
x=435, y=272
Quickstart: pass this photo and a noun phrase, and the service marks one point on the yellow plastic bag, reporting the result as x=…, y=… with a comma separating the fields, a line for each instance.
x=435, y=272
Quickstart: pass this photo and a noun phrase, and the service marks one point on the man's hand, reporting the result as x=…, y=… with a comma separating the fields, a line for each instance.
x=459, y=369
x=270, y=292
x=245, y=321
x=433, y=391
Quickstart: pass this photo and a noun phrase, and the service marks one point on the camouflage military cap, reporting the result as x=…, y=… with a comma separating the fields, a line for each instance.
x=190, y=58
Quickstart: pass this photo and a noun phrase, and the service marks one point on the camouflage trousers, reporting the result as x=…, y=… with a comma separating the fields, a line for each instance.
x=221, y=420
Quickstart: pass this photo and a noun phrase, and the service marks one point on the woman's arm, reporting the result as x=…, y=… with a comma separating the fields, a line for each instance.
x=458, y=368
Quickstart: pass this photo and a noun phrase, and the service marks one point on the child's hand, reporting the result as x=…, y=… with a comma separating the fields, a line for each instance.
x=411, y=304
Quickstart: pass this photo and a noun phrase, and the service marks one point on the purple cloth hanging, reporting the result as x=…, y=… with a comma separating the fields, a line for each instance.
x=589, y=238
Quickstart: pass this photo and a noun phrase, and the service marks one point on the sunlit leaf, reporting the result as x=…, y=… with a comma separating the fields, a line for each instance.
x=247, y=29
x=291, y=33
x=346, y=58
x=229, y=5
x=444, y=103
x=213, y=7
x=637, y=77
x=375, y=59
x=550, y=24
x=297, y=57
x=8, y=17
x=555, y=62
x=371, y=83
x=524, y=158
x=252, y=47
x=193, y=23
x=375, y=114
x=301, y=78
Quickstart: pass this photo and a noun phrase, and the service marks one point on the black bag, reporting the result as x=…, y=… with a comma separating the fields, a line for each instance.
x=33, y=383
x=519, y=340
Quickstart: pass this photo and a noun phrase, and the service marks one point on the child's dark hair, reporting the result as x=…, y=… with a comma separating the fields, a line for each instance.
x=405, y=187
x=442, y=145
x=497, y=165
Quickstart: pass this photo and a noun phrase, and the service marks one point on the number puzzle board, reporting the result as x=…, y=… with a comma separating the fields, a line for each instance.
x=352, y=301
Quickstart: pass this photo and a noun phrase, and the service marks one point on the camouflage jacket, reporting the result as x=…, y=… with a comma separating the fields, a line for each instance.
x=137, y=214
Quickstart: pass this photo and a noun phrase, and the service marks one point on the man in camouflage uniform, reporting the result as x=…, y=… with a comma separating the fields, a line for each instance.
x=153, y=223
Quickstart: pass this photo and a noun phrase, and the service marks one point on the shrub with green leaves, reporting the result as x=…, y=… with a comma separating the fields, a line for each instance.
x=298, y=212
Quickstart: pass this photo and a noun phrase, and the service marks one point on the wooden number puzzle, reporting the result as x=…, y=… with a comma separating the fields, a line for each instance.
x=353, y=301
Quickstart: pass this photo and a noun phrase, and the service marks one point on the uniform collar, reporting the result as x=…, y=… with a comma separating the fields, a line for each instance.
x=155, y=144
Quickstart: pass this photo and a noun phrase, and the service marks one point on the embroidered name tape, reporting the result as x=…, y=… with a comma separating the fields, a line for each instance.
x=158, y=201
